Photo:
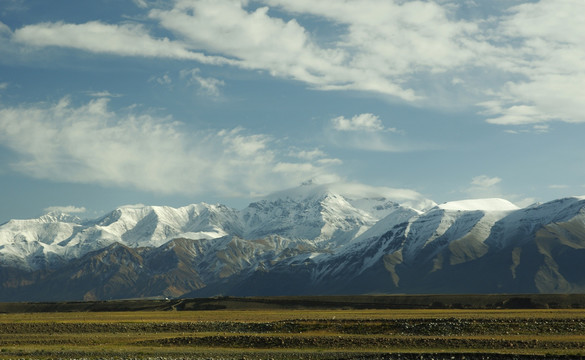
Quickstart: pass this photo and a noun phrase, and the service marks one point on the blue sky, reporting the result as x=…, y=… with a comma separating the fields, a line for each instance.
x=114, y=102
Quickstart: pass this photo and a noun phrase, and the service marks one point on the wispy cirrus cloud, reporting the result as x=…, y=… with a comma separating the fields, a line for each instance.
x=103, y=94
x=90, y=143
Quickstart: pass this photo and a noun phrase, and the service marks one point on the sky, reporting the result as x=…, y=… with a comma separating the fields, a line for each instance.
x=111, y=102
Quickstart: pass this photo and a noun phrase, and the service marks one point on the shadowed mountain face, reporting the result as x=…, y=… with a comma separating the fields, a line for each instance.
x=308, y=241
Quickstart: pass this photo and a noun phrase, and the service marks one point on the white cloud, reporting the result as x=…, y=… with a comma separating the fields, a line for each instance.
x=9, y=6
x=388, y=43
x=484, y=186
x=525, y=202
x=405, y=197
x=544, y=51
x=534, y=129
x=292, y=168
x=207, y=85
x=90, y=143
x=485, y=181
x=531, y=57
x=398, y=36
x=103, y=94
x=457, y=81
x=369, y=142
x=4, y=29
x=361, y=122
x=365, y=132
x=558, y=186
x=534, y=54
x=165, y=79
x=541, y=129
x=256, y=40
x=329, y=161
x=140, y=3
x=368, y=57
x=6, y=46
x=308, y=154
x=97, y=37
x=316, y=155
x=70, y=209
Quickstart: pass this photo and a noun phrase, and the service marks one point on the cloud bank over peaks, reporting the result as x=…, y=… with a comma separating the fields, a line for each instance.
x=89, y=143
x=69, y=209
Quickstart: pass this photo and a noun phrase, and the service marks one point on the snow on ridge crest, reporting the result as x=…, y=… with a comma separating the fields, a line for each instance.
x=491, y=204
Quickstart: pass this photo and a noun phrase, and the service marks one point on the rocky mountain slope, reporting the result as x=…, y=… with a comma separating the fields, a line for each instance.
x=309, y=240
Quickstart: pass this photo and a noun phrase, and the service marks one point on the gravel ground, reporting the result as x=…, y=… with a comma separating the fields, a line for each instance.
x=428, y=327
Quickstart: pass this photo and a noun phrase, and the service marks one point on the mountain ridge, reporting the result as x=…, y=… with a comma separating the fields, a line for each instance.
x=305, y=241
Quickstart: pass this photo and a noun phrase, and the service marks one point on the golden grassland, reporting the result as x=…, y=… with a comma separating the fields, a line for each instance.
x=282, y=334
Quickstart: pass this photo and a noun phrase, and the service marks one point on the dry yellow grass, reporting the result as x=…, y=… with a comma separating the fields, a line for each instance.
x=281, y=333
x=278, y=315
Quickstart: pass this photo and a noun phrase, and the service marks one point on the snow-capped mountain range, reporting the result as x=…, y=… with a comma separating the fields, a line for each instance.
x=315, y=239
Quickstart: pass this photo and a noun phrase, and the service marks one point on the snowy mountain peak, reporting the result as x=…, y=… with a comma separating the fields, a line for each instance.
x=493, y=204
x=309, y=212
x=361, y=196
x=57, y=216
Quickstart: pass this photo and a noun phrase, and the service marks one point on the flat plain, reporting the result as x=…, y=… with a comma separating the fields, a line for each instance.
x=281, y=333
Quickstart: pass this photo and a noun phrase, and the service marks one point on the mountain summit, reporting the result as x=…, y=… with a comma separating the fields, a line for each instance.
x=315, y=239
